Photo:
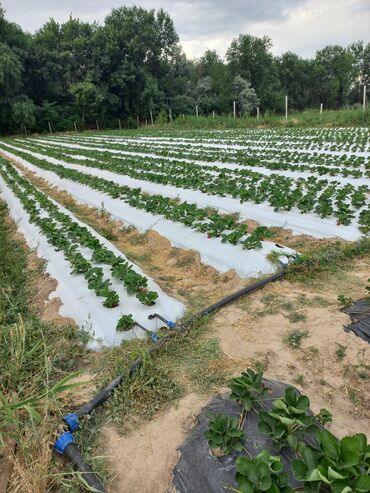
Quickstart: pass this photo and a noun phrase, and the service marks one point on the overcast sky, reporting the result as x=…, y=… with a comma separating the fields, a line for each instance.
x=302, y=26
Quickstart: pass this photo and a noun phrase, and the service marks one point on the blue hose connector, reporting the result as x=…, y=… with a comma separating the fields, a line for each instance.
x=170, y=324
x=62, y=442
x=72, y=421
x=154, y=337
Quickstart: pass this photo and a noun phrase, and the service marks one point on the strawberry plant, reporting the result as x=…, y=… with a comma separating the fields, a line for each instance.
x=126, y=322
x=112, y=300
x=263, y=473
x=335, y=466
x=248, y=389
x=147, y=297
x=288, y=421
x=223, y=434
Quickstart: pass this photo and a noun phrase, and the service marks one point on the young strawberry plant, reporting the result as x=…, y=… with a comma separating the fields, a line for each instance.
x=223, y=434
x=248, y=389
x=125, y=323
x=112, y=300
x=263, y=473
x=288, y=421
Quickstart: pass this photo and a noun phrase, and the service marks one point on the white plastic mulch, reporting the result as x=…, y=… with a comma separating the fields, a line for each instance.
x=80, y=303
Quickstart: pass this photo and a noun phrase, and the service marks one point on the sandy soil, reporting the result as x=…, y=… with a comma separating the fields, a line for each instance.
x=146, y=457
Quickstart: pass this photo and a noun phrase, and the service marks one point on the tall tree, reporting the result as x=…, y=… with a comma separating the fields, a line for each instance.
x=245, y=96
x=332, y=76
x=252, y=59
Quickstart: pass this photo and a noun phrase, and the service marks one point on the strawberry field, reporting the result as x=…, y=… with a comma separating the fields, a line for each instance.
x=226, y=195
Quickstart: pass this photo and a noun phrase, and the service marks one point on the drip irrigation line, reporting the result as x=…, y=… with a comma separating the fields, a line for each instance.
x=65, y=443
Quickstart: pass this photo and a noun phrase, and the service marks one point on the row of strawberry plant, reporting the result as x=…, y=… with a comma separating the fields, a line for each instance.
x=328, y=465
x=308, y=195
x=273, y=149
x=179, y=161
x=333, y=142
x=204, y=220
x=335, y=139
x=253, y=155
x=69, y=236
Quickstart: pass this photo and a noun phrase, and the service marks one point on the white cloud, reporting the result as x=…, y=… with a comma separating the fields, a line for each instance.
x=302, y=26
x=316, y=24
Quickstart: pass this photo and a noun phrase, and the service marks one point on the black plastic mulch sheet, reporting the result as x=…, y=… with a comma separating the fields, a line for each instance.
x=360, y=319
x=198, y=471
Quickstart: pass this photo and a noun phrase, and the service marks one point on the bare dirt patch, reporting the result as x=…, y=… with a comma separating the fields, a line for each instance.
x=143, y=461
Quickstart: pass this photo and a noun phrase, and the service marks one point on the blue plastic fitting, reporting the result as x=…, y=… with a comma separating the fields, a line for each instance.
x=153, y=336
x=72, y=421
x=62, y=442
x=170, y=324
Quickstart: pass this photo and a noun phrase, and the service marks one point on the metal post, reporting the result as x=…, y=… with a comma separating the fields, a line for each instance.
x=151, y=117
x=25, y=130
x=170, y=116
x=286, y=108
x=97, y=125
x=119, y=124
x=258, y=112
x=74, y=123
x=146, y=122
x=321, y=108
x=234, y=109
x=364, y=99
x=196, y=111
x=138, y=121
x=50, y=130
x=213, y=114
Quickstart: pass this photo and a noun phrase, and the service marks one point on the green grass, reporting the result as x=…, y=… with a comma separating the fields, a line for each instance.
x=307, y=118
x=190, y=361
x=34, y=357
x=294, y=337
x=340, y=351
x=318, y=264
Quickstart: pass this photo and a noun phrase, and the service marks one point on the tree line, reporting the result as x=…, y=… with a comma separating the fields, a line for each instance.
x=133, y=64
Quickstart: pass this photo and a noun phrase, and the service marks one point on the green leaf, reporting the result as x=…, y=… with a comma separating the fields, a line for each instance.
x=329, y=444
x=333, y=474
x=300, y=470
x=350, y=450
x=362, y=483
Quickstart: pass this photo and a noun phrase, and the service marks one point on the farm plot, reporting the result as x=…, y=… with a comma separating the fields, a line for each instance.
x=225, y=195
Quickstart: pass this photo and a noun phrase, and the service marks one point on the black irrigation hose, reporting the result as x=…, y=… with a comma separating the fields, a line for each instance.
x=71, y=450
x=73, y=453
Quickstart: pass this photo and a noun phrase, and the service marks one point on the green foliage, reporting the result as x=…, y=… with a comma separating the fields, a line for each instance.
x=344, y=300
x=126, y=322
x=263, y=473
x=338, y=467
x=324, y=416
x=294, y=337
x=289, y=420
x=88, y=100
x=248, y=389
x=223, y=434
x=132, y=64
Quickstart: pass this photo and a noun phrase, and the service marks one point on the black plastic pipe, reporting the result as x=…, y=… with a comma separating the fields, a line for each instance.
x=72, y=451
x=233, y=297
